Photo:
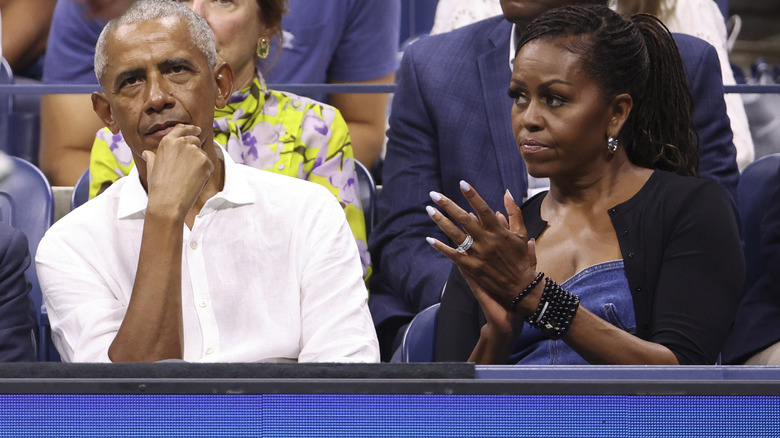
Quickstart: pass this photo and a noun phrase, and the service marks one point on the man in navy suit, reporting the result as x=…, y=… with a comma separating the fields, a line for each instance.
x=16, y=322
x=450, y=121
x=755, y=335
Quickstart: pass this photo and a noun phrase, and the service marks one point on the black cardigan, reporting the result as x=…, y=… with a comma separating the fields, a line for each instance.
x=683, y=259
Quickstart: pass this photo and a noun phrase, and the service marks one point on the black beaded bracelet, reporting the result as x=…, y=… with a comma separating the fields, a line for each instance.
x=555, y=311
x=516, y=301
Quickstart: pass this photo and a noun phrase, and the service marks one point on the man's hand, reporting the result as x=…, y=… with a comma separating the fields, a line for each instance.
x=178, y=171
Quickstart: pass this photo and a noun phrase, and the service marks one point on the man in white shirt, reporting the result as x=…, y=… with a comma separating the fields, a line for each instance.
x=192, y=256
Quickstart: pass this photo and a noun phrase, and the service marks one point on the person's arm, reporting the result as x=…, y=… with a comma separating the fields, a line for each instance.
x=700, y=280
x=16, y=323
x=24, y=33
x=152, y=328
x=365, y=114
x=366, y=54
x=68, y=127
x=336, y=325
x=408, y=274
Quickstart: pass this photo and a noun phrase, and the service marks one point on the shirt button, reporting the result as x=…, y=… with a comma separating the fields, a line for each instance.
x=281, y=166
x=209, y=351
x=194, y=245
x=204, y=302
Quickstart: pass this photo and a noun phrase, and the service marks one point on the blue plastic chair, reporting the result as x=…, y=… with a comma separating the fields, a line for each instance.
x=27, y=203
x=756, y=184
x=420, y=337
x=80, y=190
x=367, y=189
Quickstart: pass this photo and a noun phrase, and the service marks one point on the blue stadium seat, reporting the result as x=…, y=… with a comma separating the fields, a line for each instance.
x=420, y=338
x=80, y=191
x=19, y=119
x=27, y=203
x=367, y=189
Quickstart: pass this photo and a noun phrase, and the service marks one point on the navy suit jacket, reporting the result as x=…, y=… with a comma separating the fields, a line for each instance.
x=16, y=321
x=757, y=324
x=450, y=121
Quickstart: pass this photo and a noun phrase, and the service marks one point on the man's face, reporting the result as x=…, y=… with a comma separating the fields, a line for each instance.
x=156, y=78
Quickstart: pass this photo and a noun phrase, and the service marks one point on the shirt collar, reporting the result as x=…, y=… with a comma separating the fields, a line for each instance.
x=512, y=47
x=236, y=190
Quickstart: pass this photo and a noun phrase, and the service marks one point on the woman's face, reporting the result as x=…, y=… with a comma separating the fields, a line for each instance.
x=560, y=117
x=237, y=28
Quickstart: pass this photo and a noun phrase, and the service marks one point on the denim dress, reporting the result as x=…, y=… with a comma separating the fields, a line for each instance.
x=603, y=289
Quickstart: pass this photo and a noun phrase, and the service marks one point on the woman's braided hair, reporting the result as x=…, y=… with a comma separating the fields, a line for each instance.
x=635, y=55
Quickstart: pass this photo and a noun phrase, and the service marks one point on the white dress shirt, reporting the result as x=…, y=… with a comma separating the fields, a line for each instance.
x=270, y=272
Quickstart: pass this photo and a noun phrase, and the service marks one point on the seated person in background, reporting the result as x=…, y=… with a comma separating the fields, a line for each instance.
x=342, y=41
x=24, y=34
x=262, y=128
x=755, y=337
x=451, y=122
x=192, y=256
x=643, y=261
x=360, y=46
x=68, y=124
x=16, y=323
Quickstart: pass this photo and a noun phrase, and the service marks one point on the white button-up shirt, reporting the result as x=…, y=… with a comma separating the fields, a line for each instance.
x=270, y=272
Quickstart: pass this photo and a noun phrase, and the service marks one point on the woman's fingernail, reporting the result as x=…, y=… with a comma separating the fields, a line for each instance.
x=430, y=240
x=435, y=196
x=431, y=211
x=464, y=186
x=510, y=195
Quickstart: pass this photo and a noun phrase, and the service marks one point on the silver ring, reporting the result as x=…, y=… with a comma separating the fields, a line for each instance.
x=467, y=242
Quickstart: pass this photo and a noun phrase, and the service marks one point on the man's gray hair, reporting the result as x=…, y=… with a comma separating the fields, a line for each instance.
x=145, y=10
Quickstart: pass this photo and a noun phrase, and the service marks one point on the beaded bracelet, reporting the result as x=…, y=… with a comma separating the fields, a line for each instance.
x=556, y=310
x=525, y=292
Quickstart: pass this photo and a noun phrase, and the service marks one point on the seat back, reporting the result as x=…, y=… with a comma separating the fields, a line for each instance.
x=27, y=203
x=367, y=189
x=420, y=337
x=80, y=190
x=756, y=184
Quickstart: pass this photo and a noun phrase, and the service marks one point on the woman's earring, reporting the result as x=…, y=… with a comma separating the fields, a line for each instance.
x=612, y=144
x=263, y=47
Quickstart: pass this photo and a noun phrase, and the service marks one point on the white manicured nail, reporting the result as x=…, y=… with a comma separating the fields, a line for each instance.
x=465, y=186
x=431, y=211
x=435, y=196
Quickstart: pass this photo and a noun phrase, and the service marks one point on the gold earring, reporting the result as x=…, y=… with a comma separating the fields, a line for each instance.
x=263, y=47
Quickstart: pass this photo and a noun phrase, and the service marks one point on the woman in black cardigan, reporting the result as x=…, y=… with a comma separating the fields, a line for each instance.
x=629, y=258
